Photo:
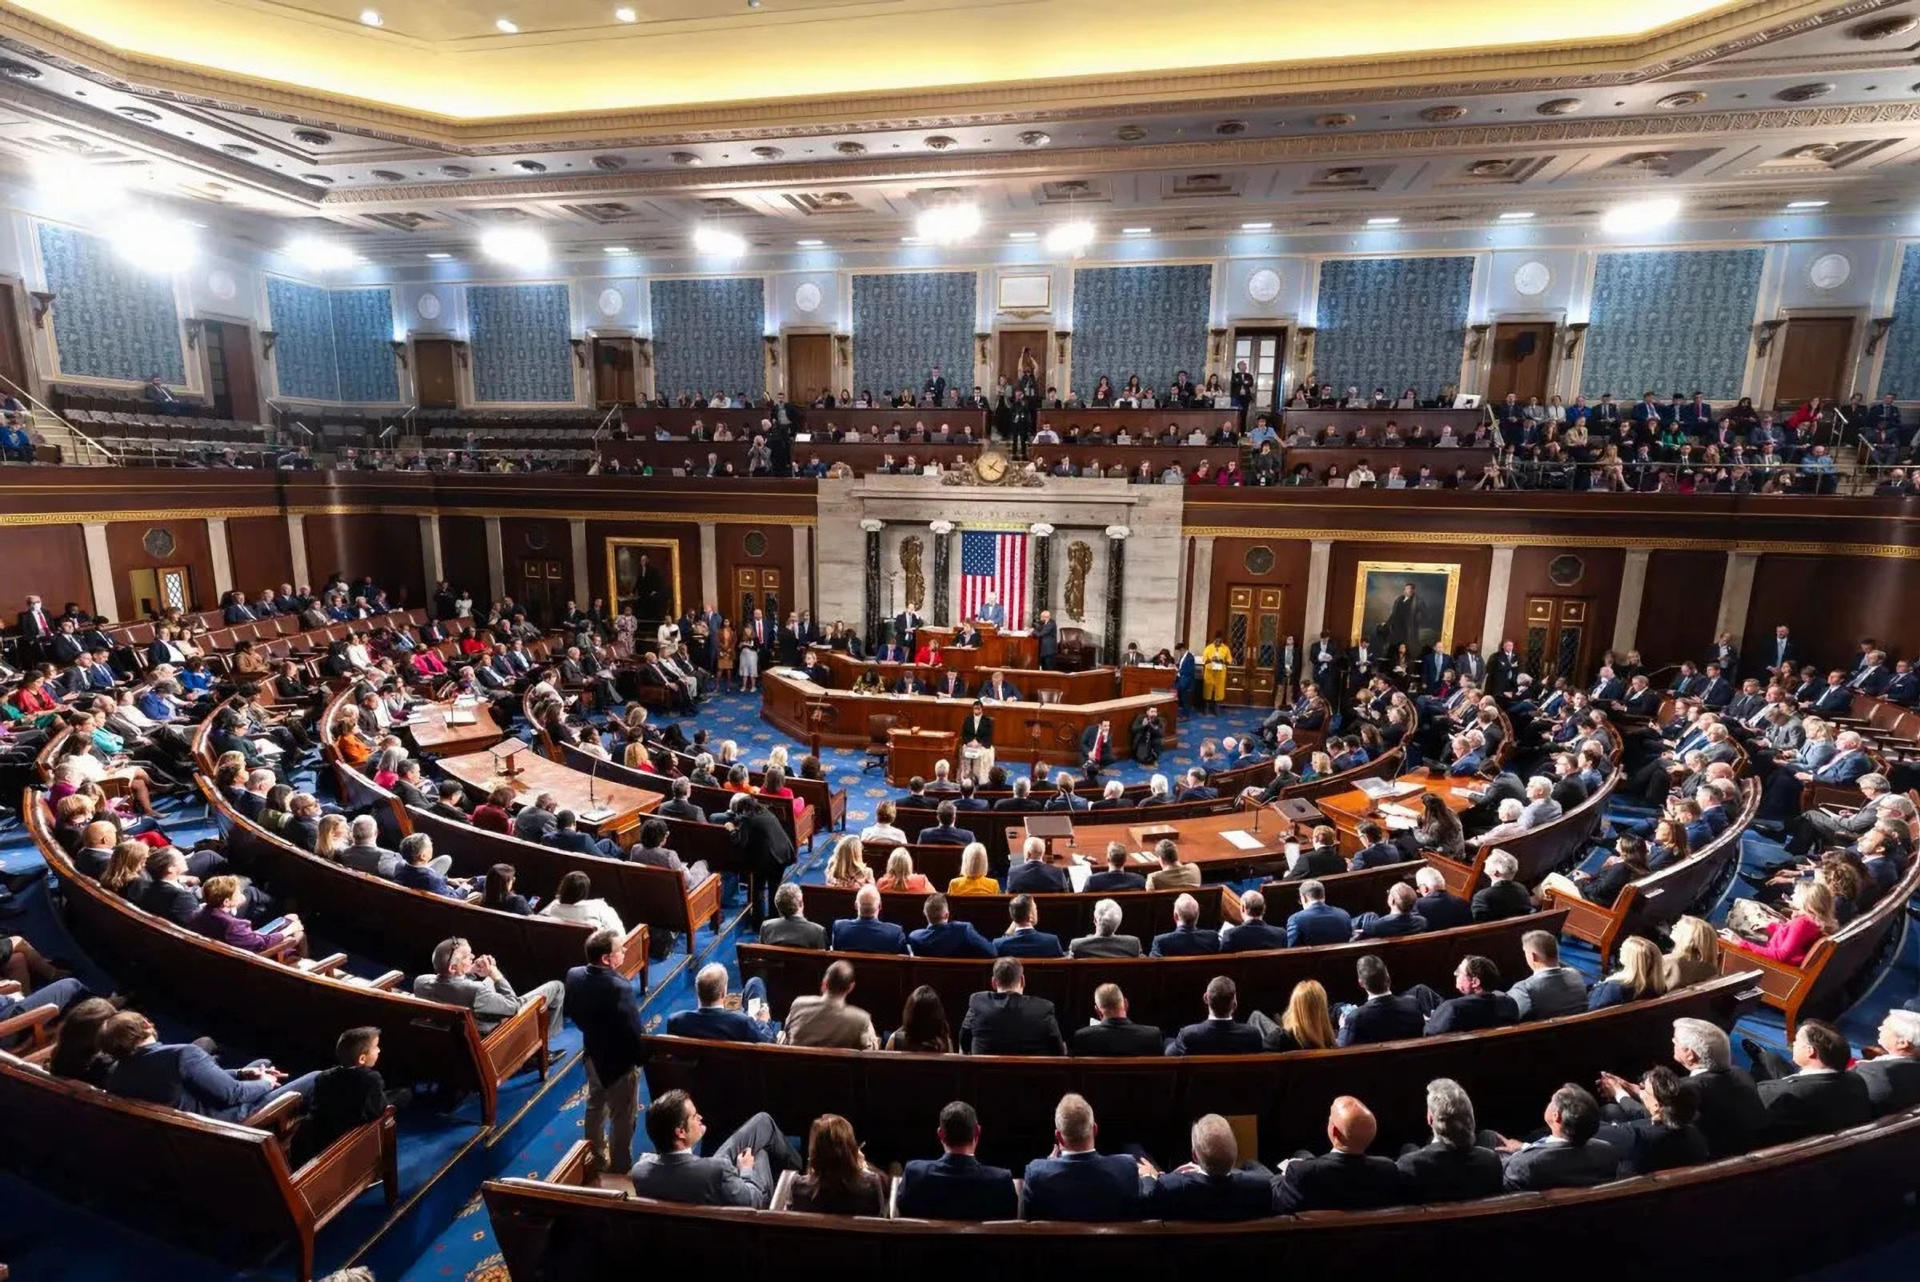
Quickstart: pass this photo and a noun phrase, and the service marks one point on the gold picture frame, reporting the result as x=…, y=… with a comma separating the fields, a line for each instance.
x=1376, y=586
x=624, y=558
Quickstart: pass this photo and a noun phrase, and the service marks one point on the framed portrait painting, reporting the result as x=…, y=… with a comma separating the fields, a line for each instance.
x=1405, y=602
x=645, y=573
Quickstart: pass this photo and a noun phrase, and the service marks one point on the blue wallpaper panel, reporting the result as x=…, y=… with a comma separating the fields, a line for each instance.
x=110, y=319
x=1900, y=369
x=904, y=323
x=303, y=355
x=363, y=344
x=706, y=336
x=1392, y=322
x=520, y=348
x=1150, y=321
x=1671, y=321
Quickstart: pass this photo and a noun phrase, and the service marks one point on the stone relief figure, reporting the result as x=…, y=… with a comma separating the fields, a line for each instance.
x=1079, y=561
x=912, y=552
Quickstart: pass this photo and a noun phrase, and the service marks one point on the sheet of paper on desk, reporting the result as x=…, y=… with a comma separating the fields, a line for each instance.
x=1077, y=874
x=461, y=717
x=595, y=816
x=1241, y=839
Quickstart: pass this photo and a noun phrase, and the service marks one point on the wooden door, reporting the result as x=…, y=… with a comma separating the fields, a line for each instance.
x=1557, y=638
x=434, y=384
x=541, y=589
x=1254, y=634
x=237, y=393
x=1522, y=353
x=1265, y=352
x=757, y=587
x=1813, y=359
x=13, y=349
x=613, y=380
x=809, y=366
x=156, y=591
x=1010, y=341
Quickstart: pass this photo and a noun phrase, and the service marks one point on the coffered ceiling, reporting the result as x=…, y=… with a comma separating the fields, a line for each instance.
x=845, y=133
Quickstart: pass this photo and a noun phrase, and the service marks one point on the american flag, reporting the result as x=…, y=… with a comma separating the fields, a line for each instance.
x=994, y=563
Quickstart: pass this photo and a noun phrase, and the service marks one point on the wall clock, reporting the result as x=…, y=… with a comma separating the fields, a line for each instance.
x=428, y=307
x=1532, y=277
x=1830, y=271
x=807, y=297
x=1264, y=285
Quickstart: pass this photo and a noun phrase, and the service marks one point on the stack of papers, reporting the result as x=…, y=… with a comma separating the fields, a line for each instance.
x=1241, y=839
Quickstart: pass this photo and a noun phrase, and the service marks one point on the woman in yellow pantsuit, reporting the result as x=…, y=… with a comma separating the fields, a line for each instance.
x=1213, y=662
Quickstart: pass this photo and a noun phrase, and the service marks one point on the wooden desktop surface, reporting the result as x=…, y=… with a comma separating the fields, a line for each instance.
x=431, y=732
x=570, y=787
x=1346, y=810
x=1201, y=841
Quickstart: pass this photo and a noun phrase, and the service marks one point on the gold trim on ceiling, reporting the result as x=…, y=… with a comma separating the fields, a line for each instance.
x=16, y=520
x=1891, y=551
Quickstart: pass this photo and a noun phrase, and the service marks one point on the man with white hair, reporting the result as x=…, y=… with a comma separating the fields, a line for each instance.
x=1893, y=1079
x=1186, y=939
x=1541, y=807
x=1283, y=778
x=1159, y=792
x=866, y=933
x=1214, y=1187
x=1731, y=1115
x=1502, y=896
x=1021, y=798
x=1253, y=933
x=1443, y=909
x=1105, y=941
x=1033, y=875
x=1513, y=823
x=1113, y=797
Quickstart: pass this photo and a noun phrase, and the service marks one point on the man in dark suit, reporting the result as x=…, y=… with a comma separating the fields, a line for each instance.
x=866, y=933
x=1821, y=1097
x=566, y=835
x=956, y=1186
x=1254, y=933
x=1023, y=938
x=1345, y=1178
x=944, y=833
x=942, y=937
x=1005, y=1021
x=976, y=731
x=1893, y=1079
x=1568, y=1156
x=34, y=627
x=999, y=689
x=1453, y=1167
x=1320, y=858
x=1480, y=1004
x=1116, y=876
x=1399, y=919
x=791, y=929
x=764, y=847
x=1780, y=650
x=1186, y=939
x=1047, y=633
x=601, y=1004
x=1730, y=1114
x=1442, y=909
x=1214, y=1187
x=1220, y=1033
x=742, y=1172
x=1317, y=922
x=1113, y=797
x=181, y=1076
x=1078, y=1183
x=906, y=628
x=1377, y=851
x=1384, y=1017
x=713, y=1021
x=1502, y=896
x=1033, y=875
x=1115, y=1036
x=1096, y=749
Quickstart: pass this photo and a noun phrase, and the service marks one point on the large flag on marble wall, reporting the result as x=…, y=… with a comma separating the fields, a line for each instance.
x=995, y=563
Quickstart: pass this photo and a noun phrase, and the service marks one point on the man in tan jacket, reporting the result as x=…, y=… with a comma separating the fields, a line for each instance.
x=827, y=1020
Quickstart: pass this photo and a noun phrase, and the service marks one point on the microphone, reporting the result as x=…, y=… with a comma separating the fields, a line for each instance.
x=593, y=772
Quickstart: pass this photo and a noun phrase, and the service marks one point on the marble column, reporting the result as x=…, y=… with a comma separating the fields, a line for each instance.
x=941, y=589
x=1736, y=593
x=106, y=600
x=222, y=554
x=1116, y=582
x=496, y=562
x=803, y=568
x=871, y=597
x=432, y=557
x=710, y=568
x=1499, y=580
x=1319, y=558
x=582, y=579
x=297, y=545
x=1200, y=591
x=1633, y=590
x=1042, y=575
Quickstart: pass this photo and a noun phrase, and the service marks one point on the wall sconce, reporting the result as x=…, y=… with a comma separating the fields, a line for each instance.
x=1764, y=332
x=1061, y=337
x=643, y=349
x=980, y=342
x=399, y=352
x=1219, y=336
x=1576, y=331
x=463, y=353
x=773, y=349
x=843, y=349
x=1876, y=330
x=42, y=305
x=1479, y=333
x=268, y=338
x=579, y=351
x=195, y=327
x=1305, y=334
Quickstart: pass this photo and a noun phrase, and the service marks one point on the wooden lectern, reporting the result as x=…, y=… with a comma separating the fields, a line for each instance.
x=915, y=750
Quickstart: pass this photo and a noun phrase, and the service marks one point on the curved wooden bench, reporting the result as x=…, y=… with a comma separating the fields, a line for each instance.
x=1357, y=892
x=799, y=827
x=163, y=1170
x=891, y=1097
x=1539, y=851
x=1143, y=913
x=1160, y=990
x=1648, y=906
x=559, y=1228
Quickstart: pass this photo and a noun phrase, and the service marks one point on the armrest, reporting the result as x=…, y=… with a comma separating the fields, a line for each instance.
x=389, y=982
x=323, y=965
x=34, y=1023
x=280, y=1117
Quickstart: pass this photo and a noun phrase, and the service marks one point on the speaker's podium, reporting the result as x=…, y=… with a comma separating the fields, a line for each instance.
x=913, y=752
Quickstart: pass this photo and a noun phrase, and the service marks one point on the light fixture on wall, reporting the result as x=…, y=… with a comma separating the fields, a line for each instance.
x=515, y=246
x=371, y=17
x=1640, y=215
x=1070, y=238
x=948, y=223
x=718, y=242
x=319, y=255
x=506, y=26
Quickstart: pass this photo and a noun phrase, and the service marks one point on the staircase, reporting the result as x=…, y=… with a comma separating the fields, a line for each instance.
x=77, y=449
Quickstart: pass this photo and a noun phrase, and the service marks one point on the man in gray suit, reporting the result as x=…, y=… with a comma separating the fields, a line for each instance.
x=461, y=979
x=366, y=854
x=791, y=929
x=1104, y=942
x=1541, y=807
x=741, y=1173
x=1551, y=989
x=534, y=822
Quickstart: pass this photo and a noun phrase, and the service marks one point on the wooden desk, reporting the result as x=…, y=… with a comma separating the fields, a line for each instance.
x=430, y=731
x=913, y=752
x=1201, y=840
x=997, y=649
x=570, y=788
x=1091, y=686
x=1144, y=678
x=1346, y=810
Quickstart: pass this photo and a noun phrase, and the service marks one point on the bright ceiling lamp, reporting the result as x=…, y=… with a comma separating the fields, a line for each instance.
x=1640, y=215
x=320, y=255
x=154, y=242
x=719, y=242
x=514, y=246
x=948, y=223
x=1070, y=238
x=75, y=188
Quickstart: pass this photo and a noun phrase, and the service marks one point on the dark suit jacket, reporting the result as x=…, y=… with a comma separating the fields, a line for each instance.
x=600, y=1003
x=170, y=899
x=1382, y=1019
x=793, y=932
x=1102, y=881
x=1501, y=900
x=945, y=835
x=1118, y=1038
x=1438, y=1173
x=1893, y=1082
x=1029, y=943
x=950, y=939
x=1180, y=942
x=1090, y=1188
x=1217, y=1037
x=187, y=1078
x=1444, y=911
x=1244, y=1194
x=1560, y=1166
x=1010, y=1024
x=1646, y=1146
x=711, y=1023
x=1338, y=1182
x=1031, y=877
x=859, y=935
x=1466, y=1013
x=1319, y=924
x=1814, y=1104
x=1253, y=936
x=956, y=1187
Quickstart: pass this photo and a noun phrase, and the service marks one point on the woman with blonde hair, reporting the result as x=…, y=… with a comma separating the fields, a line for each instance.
x=848, y=870
x=332, y=837
x=900, y=878
x=1790, y=941
x=1695, y=957
x=777, y=756
x=973, y=878
x=1641, y=974
x=1306, y=1025
x=126, y=873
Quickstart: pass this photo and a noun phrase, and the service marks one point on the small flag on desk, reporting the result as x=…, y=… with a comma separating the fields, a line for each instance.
x=994, y=563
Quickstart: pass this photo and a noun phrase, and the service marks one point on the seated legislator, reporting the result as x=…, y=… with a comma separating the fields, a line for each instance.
x=741, y=1172
x=1253, y=933
x=712, y=1020
x=186, y=1077
x=1568, y=1156
x=1116, y=876
x=1642, y=973
x=1320, y=858
x=1401, y=917
x=1442, y=909
x=1453, y=1167
x=1345, y=1178
x=1079, y=1183
x=1112, y=1034
x=956, y=1185
x=1480, y=1003
x=1815, y=1093
x=1550, y=988
x=1023, y=937
x=973, y=878
x=1171, y=873
x=1032, y=874
x=1502, y=897
x=1104, y=941
x=1317, y=922
x=828, y=1020
x=790, y=927
x=1005, y=1021
x=944, y=832
x=943, y=937
x=1665, y=1136
x=838, y=1180
x=1220, y=1033
x=477, y=983
x=1186, y=939
x=1214, y=1187
x=1893, y=1079
x=1384, y=1016
x=923, y=1027
x=865, y=932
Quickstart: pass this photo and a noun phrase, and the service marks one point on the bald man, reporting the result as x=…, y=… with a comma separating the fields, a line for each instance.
x=1345, y=1179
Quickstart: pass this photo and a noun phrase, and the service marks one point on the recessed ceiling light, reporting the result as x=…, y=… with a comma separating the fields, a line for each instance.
x=615, y=249
x=1256, y=226
x=809, y=244
x=1135, y=231
x=1516, y=216
x=1023, y=235
x=1640, y=215
x=719, y=242
x=514, y=246
x=624, y=14
x=371, y=17
x=948, y=224
x=1385, y=221
x=439, y=256
x=506, y=26
x=1070, y=238
x=1806, y=204
x=319, y=255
